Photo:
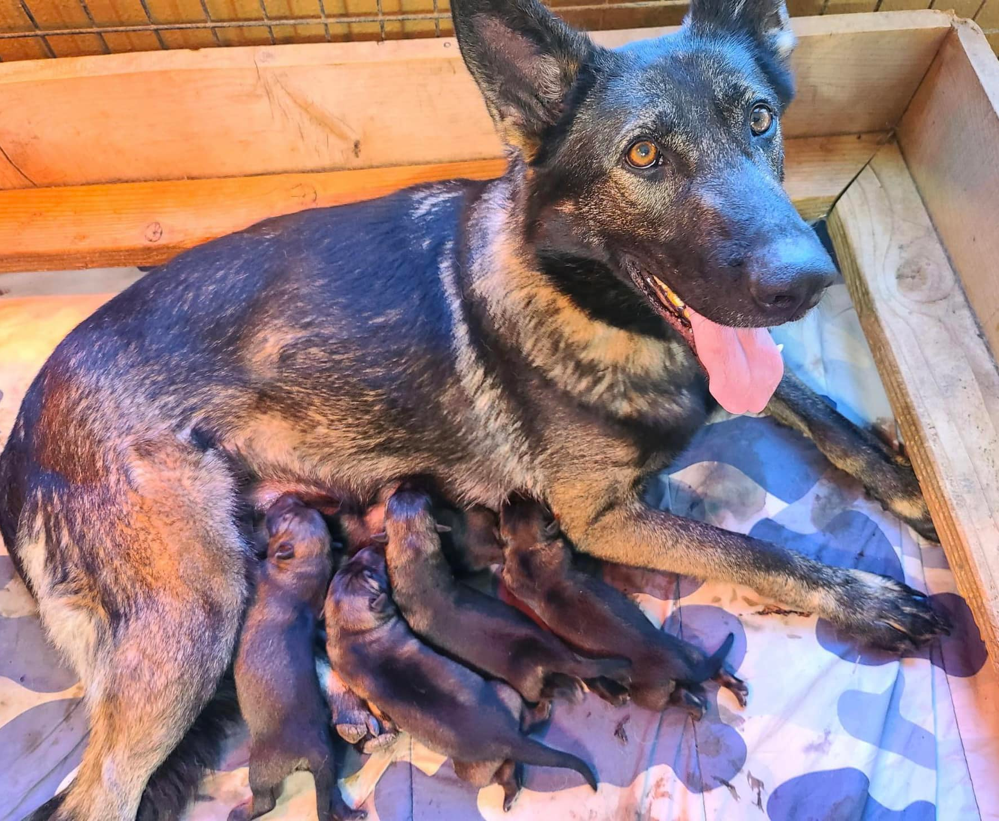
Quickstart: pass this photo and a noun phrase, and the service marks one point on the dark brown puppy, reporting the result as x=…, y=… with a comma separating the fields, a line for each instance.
x=598, y=619
x=275, y=667
x=442, y=704
x=478, y=629
x=470, y=536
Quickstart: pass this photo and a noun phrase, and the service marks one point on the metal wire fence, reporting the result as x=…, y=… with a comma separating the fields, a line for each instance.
x=34, y=29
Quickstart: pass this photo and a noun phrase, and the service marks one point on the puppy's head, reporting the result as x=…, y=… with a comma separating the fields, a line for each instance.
x=533, y=544
x=410, y=522
x=359, y=597
x=295, y=533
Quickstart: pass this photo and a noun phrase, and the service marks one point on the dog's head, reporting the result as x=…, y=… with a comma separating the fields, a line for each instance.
x=659, y=162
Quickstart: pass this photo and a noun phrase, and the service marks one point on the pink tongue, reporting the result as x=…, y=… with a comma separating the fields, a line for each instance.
x=744, y=365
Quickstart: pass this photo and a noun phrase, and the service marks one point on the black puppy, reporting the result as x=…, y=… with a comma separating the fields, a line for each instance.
x=598, y=619
x=276, y=682
x=474, y=627
x=439, y=702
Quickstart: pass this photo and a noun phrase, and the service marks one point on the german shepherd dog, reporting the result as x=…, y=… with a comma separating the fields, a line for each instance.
x=561, y=331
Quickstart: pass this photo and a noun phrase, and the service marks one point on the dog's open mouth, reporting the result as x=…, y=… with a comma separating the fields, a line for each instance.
x=743, y=365
x=672, y=308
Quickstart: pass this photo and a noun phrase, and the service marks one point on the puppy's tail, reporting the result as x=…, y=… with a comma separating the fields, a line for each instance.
x=710, y=667
x=529, y=751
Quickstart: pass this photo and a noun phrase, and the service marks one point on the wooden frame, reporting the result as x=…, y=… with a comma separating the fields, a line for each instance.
x=130, y=158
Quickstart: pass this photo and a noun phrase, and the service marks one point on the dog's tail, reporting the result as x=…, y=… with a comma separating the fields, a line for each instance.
x=529, y=751
x=709, y=668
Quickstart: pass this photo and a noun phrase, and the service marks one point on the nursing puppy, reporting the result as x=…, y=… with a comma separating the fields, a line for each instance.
x=478, y=629
x=470, y=537
x=276, y=683
x=598, y=619
x=442, y=704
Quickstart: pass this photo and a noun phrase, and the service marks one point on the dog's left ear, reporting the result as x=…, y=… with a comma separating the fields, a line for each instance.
x=766, y=21
x=525, y=61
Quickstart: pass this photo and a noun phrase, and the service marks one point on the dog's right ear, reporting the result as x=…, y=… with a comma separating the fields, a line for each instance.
x=525, y=61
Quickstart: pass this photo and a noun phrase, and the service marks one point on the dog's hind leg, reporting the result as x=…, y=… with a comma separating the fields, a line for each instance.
x=880, y=610
x=152, y=629
x=885, y=473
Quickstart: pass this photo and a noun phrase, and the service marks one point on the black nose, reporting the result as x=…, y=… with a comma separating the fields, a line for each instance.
x=789, y=274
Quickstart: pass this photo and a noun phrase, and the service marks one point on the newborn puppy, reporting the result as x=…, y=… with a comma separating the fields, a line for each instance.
x=276, y=684
x=471, y=541
x=597, y=619
x=478, y=629
x=470, y=536
x=442, y=704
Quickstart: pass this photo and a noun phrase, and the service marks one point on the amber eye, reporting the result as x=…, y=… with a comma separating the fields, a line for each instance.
x=643, y=154
x=761, y=118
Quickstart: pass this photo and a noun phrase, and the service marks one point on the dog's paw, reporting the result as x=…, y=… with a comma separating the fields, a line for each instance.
x=889, y=615
x=894, y=484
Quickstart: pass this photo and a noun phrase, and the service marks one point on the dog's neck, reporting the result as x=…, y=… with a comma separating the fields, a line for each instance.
x=624, y=372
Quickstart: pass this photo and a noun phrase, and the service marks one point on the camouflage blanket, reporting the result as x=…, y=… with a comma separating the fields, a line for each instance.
x=832, y=731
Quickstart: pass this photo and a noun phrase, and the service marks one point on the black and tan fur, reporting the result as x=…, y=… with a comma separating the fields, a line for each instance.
x=597, y=619
x=473, y=627
x=441, y=703
x=276, y=682
x=494, y=335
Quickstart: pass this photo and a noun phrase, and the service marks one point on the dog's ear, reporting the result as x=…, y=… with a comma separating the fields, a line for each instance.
x=764, y=20
x=525, y=61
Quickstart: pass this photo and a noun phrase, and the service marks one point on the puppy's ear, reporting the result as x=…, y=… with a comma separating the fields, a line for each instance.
x=285, y=550
x=525, y=61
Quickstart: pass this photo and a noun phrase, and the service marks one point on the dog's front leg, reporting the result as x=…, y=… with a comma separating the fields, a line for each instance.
x=879, y=610
x=886, y=474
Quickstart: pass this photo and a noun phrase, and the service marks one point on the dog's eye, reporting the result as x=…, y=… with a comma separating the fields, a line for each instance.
x=643, y=154
x=761, y=119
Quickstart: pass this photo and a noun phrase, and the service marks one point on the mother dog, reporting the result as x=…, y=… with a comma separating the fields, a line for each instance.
x=527, y=334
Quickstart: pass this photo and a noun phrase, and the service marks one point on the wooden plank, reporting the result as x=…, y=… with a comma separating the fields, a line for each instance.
x=324, y=107
x=938, y=373
x=148, y=223
x=948, y=136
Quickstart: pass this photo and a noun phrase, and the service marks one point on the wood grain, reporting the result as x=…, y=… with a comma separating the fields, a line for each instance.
x=324, y=107
x=938, y=372
x=948, y=136
x=148, y=223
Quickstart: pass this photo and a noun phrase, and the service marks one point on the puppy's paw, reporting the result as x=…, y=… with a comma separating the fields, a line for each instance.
x=887, y=614
x=692, y=699
x=356, y=725
x=609, y=690
x=737, y=686
x=380, y=742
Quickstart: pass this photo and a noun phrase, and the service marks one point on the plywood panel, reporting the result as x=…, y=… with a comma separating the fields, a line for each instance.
x=949, y=139
x=148, y=223
x=239, y=112
x=938, y=373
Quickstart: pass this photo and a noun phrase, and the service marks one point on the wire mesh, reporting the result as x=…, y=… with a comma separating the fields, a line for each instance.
x=55, y=28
